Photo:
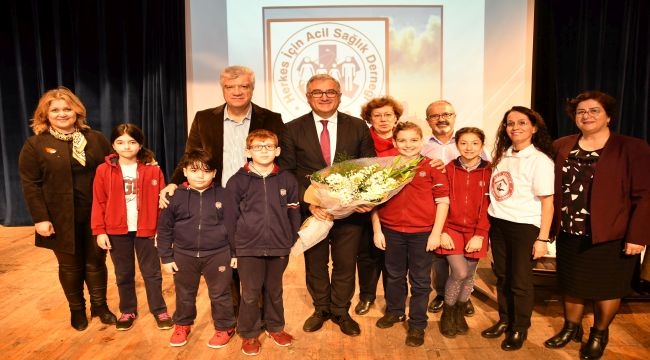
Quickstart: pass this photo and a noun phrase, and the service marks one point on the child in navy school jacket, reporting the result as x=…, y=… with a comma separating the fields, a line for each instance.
x=268, y=219
x=194, y=234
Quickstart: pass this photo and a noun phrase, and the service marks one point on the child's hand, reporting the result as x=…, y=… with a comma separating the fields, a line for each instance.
x=474, y=244
x=446, y=242
x=103, y=242
x=233, y=263
x=170, y=268
x=380, y=240
x=433, y=242
x=166, y=191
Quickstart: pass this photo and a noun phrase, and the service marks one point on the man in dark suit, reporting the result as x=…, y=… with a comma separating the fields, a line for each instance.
x=222, y=132
x=303, y=155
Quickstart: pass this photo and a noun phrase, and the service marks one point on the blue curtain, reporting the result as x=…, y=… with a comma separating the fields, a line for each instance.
x=125, y=60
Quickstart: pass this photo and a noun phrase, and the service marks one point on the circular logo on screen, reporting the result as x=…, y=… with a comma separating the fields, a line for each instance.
x=331, y=48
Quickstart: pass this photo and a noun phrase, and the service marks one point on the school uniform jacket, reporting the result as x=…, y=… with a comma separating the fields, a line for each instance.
x=268, y=212
x=196, y=224
x=413, y=209
x=469, y=198
x=109, y=204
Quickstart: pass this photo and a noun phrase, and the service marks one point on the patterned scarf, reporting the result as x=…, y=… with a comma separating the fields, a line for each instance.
x=78, y=144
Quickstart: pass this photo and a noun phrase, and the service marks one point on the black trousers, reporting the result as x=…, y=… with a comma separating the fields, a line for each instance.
x=512, y=247
x=261, y=276
x=125, y=249
x=87, y=264
x=370, y=266
x=334, y=293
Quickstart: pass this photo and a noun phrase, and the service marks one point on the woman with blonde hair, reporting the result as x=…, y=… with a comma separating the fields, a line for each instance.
x=57, y=167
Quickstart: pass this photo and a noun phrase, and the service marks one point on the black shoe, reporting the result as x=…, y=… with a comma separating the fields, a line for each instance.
x=514, y=340
x=389, y=320
x=78, y=319
x=469, y=309
x=347, y=324
x=495, y=330
x=363, y=307
x=436, y=304
x=105, y=315
x=316, y=320
x=570, y=331
x=415, y=337
x=595, y=346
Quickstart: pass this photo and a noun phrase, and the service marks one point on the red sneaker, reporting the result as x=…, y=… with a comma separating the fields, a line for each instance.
x=281, y=338
x=250, y=346
x=221, y=338
x=179, y=337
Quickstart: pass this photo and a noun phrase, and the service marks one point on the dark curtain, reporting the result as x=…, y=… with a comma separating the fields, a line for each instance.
x=124, y=59
x=592, y=45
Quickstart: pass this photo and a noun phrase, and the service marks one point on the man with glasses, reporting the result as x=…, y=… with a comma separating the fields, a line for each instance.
x=441, y=117
x=222, y=131
x=312, y=142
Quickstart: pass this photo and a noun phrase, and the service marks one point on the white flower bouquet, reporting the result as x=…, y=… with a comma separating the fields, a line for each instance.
x=344, y=186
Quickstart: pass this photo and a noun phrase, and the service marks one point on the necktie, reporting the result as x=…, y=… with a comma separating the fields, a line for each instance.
x=325, y=143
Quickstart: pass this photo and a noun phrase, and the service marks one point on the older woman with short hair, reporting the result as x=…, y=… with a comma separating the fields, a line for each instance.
x=602, y=208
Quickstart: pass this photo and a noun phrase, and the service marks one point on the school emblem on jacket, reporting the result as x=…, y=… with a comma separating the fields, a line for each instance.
x=422, y=174
x=283, y=192
x=222, y=269
x=218, y=205
x=154, y=182
x=502, y=186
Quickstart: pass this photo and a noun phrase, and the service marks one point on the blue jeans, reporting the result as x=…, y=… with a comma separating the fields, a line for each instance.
x=406, y=255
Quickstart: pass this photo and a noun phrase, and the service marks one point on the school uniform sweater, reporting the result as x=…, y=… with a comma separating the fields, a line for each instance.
x=108, y=214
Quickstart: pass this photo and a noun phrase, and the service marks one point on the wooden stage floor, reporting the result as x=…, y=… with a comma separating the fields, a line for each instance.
x=35, y=322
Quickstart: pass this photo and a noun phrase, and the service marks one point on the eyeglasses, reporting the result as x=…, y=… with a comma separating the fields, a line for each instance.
x=444, y=116
x=319, y=93
x=383, y=116
x=592, y=112
x=268, y=147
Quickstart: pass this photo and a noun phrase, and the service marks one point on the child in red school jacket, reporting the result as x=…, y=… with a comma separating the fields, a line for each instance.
x=465, y=238
x=124, y=218
x=408, y=227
